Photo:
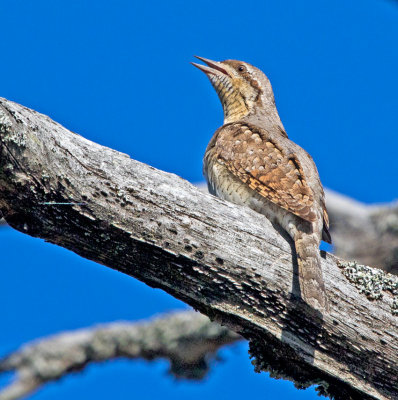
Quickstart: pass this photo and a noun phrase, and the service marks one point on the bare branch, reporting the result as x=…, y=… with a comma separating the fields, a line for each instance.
x=224, y=260
x=187, y=339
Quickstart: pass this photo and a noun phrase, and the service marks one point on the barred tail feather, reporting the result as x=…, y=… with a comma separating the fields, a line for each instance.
x=310, y=272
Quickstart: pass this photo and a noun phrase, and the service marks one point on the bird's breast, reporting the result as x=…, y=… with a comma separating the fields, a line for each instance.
x=223, y=184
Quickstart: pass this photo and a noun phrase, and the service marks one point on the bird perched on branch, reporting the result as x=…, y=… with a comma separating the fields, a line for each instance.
x=251, y=161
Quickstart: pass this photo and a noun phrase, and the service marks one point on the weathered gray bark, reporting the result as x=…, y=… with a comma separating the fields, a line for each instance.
x=226, y=261
x=187, y=339
x=361, y=232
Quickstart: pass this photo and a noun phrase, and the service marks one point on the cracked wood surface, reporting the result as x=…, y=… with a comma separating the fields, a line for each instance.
x=362, y=232
x=224, y=260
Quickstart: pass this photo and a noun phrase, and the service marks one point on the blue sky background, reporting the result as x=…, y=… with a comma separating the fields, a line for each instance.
x=119, y=74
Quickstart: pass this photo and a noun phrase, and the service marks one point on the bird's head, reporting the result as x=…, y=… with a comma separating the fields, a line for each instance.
x=243, y=90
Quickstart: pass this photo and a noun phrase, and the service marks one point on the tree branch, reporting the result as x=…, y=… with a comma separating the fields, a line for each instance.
x=187, y=339
x=224, y=260
x=365, y=233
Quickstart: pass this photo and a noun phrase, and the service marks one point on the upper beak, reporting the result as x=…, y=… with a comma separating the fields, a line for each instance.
x=212, y=68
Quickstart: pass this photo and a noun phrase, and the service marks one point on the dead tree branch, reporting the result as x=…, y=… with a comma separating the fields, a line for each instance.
x=224, y=260
x=187, y=339
x=367, y=233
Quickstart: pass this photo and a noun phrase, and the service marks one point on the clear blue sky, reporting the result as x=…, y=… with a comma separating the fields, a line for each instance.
x=119, y=74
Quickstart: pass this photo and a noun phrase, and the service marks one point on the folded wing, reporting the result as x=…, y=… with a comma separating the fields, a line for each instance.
x=250, y=154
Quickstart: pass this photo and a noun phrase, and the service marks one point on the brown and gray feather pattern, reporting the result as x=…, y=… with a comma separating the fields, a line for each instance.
x=250, y=154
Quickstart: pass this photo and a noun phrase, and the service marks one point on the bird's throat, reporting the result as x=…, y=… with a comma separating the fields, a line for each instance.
x=235, y=108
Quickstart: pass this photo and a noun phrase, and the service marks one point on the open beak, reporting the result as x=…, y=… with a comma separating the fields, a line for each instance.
x=213, y=67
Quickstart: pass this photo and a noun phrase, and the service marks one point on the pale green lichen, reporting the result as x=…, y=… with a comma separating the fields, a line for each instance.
x=371, y=281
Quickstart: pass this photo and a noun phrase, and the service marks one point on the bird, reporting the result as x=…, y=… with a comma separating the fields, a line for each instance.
x=250, y=161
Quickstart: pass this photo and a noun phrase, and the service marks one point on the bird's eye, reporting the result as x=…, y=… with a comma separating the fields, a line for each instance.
x=241, y=68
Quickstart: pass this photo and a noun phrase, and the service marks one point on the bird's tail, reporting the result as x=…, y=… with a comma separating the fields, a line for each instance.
x=310, y=272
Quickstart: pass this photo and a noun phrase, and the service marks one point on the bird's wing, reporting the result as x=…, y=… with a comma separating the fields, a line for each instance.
x=249, y=153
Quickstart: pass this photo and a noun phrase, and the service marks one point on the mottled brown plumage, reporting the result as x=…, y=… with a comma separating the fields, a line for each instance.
x=249, y=153
x=250, y=161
